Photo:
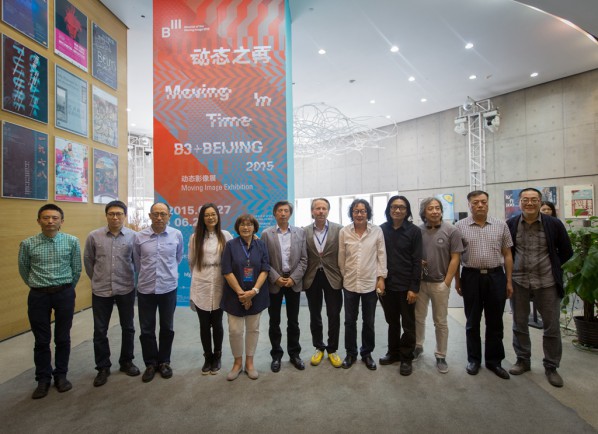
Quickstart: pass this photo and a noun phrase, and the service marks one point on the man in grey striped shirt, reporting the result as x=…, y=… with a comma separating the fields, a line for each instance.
x=108, y=261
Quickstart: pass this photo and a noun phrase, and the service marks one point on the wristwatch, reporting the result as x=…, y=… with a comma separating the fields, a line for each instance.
x=257, y=290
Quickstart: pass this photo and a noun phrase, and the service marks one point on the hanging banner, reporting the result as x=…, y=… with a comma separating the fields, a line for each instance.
x=220, y=110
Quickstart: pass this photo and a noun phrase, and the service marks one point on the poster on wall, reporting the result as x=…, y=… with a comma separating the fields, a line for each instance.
x=71, y=102
x=579, y=199
x=70, y=33
x=224, y=140
x=24, y=81
x=103, y=56
x=448, y=206
x=105, y=117
x=24, y=163
x=30, y=17
x=72, y=171
x=511, y=198
x=105, y=176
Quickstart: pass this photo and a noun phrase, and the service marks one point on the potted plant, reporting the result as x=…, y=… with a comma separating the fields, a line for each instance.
x=581, y=279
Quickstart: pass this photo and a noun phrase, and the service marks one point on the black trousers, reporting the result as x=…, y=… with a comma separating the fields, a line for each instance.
x=397, y=313
x=210, y=323
x=319, y=291
x=485, y=293
x=292, y=302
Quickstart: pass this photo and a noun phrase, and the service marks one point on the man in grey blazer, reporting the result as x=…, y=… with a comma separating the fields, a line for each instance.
x=288, y=260
x=323, y=281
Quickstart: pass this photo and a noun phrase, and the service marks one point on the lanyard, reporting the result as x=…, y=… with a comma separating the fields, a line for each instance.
x=247, y=252
x=321, y=242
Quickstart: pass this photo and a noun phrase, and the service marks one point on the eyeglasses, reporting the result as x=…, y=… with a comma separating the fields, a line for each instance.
x=533, y=201
x=115, y=214
x=159, y=214
x=398, y=207
x=360, y=211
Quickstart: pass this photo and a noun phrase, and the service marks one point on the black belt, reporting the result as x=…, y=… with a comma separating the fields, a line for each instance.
x=52, y=289
x=320, y=269
x=484, y=270
x=286, y=275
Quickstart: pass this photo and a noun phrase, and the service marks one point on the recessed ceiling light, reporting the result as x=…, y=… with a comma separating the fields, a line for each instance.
x=321, y=51
x=128, y=109
x=473, y=77
x=372, y=101
x=468, y=46
x=424, y=99
x=133, y=125
x=387, y=116
x=394, y=49
x=533, y=74
x=412, y=78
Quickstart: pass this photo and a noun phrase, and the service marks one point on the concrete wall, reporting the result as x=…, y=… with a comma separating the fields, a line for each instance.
x=548, y=136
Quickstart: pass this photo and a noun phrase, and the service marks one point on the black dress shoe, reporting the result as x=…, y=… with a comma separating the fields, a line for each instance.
x=473, y=368
x=499, y=371
x=275, y=365
x=298, y=363
x=130, y=369
x=41, y=391
x=406, y=369
x=102, y=377
x=165, y=370
x=388, y=359
x=62, y=384
x=369, y=362
x=148, y=375
x=348, y=362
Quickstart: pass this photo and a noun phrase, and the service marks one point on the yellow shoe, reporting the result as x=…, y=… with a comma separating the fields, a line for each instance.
x=335, y=360
x=317, y=357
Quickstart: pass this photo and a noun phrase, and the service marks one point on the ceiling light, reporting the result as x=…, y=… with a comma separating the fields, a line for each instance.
x=133, y=125
x=423, y=99
x=372, y=101
x=492, y=121
x=412, y=78
x=473, y=77
x=321, y=51
x=468, y=104
x=394, y=49
x=468, y=46
x=387, y=116
x=533, y=74
x=128, y=109
x=461, y=126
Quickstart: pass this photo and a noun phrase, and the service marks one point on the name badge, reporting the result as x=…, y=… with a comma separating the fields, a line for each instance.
x=248, y=274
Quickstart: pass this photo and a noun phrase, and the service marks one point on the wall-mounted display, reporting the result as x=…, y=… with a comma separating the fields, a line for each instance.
x=71, y=102
x=72, y=171
x=24, y=163
x=70, y=33
x=24, y=81
x=103, y=56
x=105, y=117
x=579, y=201
x=105, y=176
x=30, y=17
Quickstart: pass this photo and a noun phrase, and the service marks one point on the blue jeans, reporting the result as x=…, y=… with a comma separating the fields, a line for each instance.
x=148, y=304
x=39, y=310
x=102, y=311
x=368, y=312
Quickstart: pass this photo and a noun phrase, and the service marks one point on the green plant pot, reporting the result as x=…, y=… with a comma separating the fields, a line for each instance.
x=587, y=332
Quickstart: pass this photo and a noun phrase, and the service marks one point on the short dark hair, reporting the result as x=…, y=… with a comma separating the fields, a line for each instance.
x=427, y=201
x=247, y=217
x=531, y=189
x=52, y=207
x=550, y=205
x=117, y=203
x=409, y=215
x=476, y=193
x=282, y=203
x=365, y=203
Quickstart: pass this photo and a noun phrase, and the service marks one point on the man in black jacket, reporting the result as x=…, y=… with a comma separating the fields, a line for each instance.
x=540, y=246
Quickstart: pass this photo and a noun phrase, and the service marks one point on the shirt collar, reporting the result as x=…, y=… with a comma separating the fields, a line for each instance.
x=325, y=226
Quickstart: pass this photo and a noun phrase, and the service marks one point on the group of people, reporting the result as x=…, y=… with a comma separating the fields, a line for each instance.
x=403, y=266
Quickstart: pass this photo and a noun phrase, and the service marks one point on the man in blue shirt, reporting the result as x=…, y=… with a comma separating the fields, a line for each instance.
x=50, y=264
x=157, y=252
x=108, y=261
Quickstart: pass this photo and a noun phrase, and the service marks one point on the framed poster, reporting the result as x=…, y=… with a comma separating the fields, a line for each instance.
x=30, y=17
x=579, y=197
x=105, y=117
x=70, y=33
x=24, y=163
x=103, y=57
x=24, y=81
x=71, y=102
x=511, y=198
x=105, y=176
x=72, y=171
x=448, y=206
